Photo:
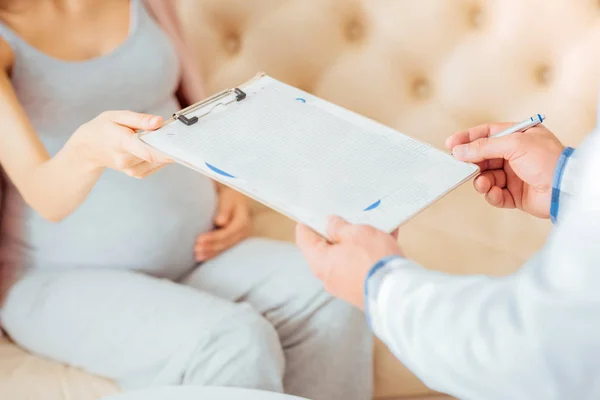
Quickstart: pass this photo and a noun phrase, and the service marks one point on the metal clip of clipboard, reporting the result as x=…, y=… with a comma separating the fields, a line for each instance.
x=236, y=94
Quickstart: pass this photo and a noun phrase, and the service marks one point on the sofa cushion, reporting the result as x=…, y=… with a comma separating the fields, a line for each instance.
x=25, y=376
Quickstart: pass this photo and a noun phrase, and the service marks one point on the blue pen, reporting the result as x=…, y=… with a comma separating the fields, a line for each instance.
x=522, y=127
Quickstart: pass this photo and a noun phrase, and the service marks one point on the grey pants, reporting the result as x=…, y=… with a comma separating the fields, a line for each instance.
x=254, y=317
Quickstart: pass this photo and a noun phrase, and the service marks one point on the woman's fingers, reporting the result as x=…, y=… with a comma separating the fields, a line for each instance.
x=133, y=120
x=151, y=170
x=142, y=169
x=126, y=123
x=205, y=252
x=109, y=141
x=131, y=144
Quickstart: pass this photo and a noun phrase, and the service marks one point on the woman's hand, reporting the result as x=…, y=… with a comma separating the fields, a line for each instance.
x=109, y=141
x=56, y=185
x=233, y=225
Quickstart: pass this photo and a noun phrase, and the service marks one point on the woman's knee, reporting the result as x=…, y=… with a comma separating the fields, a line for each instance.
x=337, y=325
x=243, y=350
x=255, y=338
x=23, y=300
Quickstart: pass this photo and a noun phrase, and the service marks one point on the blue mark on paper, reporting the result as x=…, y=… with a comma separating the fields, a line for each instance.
x=219, y=171
x=301, y=99
x=373, y=206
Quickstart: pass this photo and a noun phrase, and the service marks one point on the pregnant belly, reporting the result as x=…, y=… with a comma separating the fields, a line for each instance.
x=147, y=225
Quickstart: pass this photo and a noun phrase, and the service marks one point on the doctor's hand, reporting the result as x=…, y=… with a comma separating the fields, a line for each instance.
x=343, y=265
x=233, y=224
x=516, y=170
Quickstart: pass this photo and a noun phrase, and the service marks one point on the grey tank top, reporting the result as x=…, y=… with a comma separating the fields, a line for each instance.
x=148, y=225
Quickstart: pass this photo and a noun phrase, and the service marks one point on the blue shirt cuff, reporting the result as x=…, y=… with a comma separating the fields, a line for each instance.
x=372, y=283
x=556, y=182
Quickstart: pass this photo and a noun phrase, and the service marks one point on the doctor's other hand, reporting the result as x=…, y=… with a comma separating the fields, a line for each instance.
x=516, y=170
x=344, y=264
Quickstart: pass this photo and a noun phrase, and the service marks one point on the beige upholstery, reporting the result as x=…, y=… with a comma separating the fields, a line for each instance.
x=427, y=68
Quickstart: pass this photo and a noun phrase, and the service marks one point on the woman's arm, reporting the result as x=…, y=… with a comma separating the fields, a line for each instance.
x=56, y=186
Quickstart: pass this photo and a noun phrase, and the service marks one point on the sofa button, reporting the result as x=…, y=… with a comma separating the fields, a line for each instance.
x=232, y=44
x=421, y=88
x=543, y=75
x=475, y=17
x=354, y=30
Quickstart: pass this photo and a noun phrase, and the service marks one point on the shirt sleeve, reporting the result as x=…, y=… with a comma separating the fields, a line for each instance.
x=529, y=335
x=562, y=183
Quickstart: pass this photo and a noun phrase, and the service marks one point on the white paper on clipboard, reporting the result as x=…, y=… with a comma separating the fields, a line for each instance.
x=308, y=158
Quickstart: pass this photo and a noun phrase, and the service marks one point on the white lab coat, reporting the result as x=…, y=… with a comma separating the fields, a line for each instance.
x=532, y=335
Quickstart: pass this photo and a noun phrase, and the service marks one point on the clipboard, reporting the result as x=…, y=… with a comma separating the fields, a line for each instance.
x=223, y=97
x=264, y=139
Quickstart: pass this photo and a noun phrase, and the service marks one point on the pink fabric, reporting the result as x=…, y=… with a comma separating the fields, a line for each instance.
x=165, y=13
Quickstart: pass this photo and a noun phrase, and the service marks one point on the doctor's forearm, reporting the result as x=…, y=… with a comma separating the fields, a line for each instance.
x=459, y=334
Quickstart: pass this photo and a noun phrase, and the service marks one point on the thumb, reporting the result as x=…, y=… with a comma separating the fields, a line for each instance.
x=338, y=228
x=307, y=240
x=486, y=149
x=314, y=248
x=224, y=211
x=133, y=145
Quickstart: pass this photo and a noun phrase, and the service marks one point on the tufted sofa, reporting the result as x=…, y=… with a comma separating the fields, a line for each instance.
x=426, y=68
